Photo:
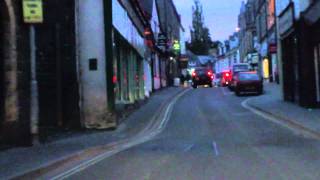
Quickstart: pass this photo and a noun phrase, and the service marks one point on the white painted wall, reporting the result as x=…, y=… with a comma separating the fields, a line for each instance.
x=91, y=44
x=147, y=78
x=156, y=78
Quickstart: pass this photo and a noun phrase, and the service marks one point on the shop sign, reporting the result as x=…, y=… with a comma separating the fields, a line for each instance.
x=286, y=19
x=272, y=48
x=162, y=40
x=312, y=14
x=32, y=11
x=176, y=45
x=255, y=58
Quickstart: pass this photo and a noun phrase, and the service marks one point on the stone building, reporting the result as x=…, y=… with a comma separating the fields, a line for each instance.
x=14, y=76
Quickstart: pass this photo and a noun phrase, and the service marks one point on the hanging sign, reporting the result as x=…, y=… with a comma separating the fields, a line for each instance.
x=32, y=11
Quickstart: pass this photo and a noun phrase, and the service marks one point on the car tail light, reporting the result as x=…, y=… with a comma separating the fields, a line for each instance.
x=209, y=73
x=194, y=74
x=211, y=77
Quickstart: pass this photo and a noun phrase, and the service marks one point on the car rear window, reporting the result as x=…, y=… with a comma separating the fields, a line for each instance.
x=248, y=77
x=238, y=68
x=201, y=71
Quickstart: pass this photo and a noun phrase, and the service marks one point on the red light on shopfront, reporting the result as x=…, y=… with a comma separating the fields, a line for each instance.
x=114, y=79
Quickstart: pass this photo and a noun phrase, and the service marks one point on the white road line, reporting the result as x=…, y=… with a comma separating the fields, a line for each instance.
x=215, y=148
x=124, y=145
x=188, y=148
x=226, y=93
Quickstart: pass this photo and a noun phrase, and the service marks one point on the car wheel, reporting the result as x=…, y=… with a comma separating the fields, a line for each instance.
x=260, y=92
x=238, y=93
x=194, y=86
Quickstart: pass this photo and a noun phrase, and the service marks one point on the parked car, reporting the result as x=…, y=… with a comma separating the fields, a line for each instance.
x=236, y=68
x=202, y=76
x=248, y=82
x=226, y=78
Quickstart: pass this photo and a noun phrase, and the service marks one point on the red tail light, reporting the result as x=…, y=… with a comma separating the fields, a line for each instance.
x=194, y=74
x=209, y=73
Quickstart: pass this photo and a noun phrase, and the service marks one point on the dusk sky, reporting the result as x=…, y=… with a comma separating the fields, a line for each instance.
x=221, y=16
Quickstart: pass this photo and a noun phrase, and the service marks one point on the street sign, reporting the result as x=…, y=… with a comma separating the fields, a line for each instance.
x=162, y=40
x=32, y=11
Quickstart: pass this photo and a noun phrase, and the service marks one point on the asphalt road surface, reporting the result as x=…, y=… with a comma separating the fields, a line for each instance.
x=211, y=136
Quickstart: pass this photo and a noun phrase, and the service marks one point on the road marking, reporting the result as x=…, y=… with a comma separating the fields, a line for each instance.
x=188, y=148
x=215, y=148
x=226, y=93
x=123, y=145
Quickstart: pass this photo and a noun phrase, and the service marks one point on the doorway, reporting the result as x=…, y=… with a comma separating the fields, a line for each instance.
x=290, y=68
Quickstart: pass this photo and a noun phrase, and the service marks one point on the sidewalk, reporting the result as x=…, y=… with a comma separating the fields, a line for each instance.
x=17, y=161
x=272, y=103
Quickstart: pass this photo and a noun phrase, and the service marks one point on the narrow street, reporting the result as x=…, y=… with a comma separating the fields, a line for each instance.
x=211, y=136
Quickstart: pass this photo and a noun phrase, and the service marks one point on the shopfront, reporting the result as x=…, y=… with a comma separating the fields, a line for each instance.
x=129, y=51
x=290, y=59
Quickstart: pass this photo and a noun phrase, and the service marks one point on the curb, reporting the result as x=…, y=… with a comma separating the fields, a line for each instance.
x=284, y=121
x=89, y=153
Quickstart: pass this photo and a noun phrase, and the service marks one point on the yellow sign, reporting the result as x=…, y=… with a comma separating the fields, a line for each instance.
x=176, y=45
x=266, y=73
x=32, y=11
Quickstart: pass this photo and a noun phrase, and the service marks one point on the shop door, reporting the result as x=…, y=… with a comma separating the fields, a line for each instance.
x=317, y=70
x=57, y=70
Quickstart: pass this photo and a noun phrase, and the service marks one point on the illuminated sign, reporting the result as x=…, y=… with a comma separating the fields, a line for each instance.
x=176, y=45
x=266, y=68
x=32, y=11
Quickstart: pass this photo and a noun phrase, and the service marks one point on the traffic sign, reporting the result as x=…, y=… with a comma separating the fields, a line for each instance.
x=32, y=11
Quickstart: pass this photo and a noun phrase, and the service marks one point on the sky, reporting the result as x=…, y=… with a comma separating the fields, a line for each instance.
x=221, y=16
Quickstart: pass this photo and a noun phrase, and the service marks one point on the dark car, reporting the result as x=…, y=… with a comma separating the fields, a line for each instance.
x=248, y=82
x=236, y=68
x=202, y=77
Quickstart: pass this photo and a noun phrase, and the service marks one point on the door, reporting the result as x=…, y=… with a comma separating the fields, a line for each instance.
x=317, y=70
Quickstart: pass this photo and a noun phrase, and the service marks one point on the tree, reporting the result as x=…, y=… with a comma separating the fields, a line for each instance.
x=200, y=34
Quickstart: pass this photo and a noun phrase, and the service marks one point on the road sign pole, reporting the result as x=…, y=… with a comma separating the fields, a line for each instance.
x=34, y=84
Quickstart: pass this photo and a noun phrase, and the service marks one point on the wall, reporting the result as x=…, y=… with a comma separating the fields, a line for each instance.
x=15, y=76
x=92, y=45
